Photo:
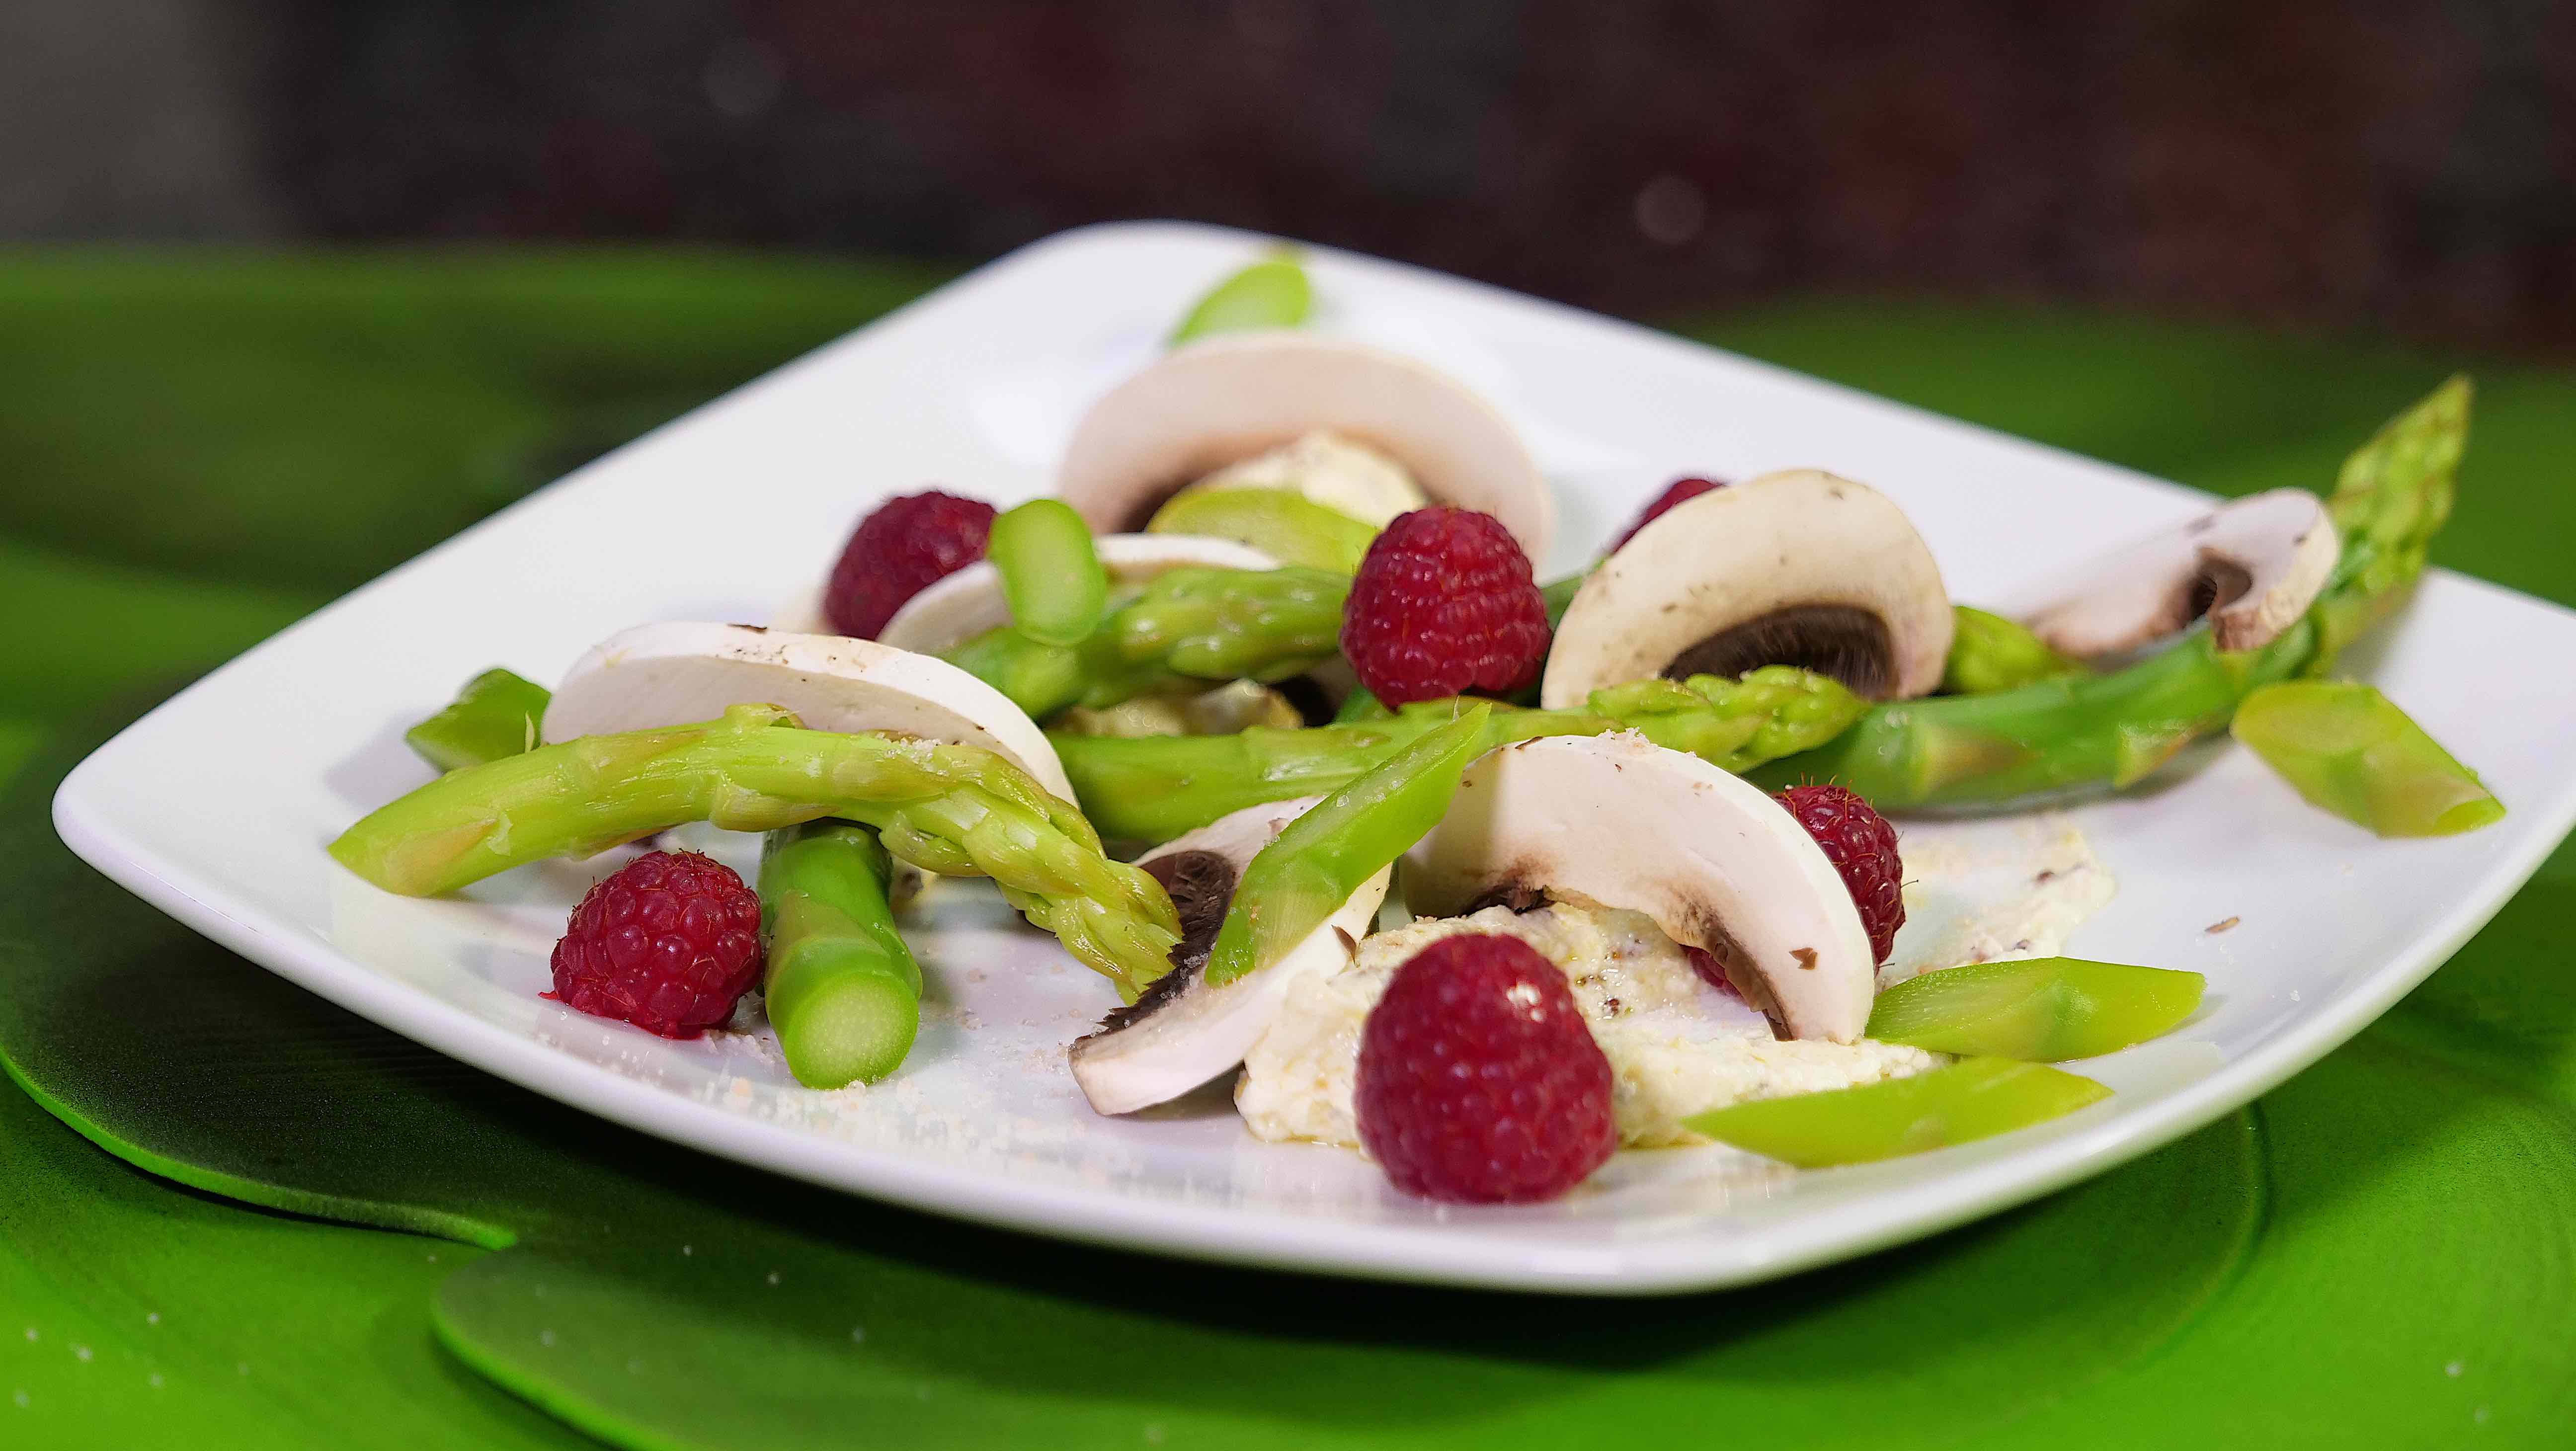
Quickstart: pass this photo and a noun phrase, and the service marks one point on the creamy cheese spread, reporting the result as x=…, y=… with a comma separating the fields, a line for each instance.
x=1676, y=1045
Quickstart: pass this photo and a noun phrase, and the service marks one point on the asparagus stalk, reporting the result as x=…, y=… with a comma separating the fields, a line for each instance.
x=1154, y=789
x=843, y=991
x=495, y=715
x=2393, y=495
x=954, y=810
x=1187, y=624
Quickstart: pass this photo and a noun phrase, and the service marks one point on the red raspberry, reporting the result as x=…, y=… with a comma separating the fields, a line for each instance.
x=1443, y=604
x=910, y=543
x=1710, y=970
x=1862, y=846
x=1679, y=491
x=667, y=942
x=1478, y=1081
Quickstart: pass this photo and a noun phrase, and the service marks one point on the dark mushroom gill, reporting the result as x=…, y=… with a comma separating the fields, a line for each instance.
x=1847, y=642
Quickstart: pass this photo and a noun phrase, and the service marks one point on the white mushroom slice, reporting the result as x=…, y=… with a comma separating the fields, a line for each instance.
x=670, y=674
x=1616, y=821
x=965, y=604
x=1793, y=568
x=1237, y=395
x=1181, y=1032
x=2253, y=567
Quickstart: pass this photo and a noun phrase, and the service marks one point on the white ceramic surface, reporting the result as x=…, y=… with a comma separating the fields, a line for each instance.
x=216, y=807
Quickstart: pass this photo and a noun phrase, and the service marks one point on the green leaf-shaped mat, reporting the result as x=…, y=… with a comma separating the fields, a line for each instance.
x=656, y=1297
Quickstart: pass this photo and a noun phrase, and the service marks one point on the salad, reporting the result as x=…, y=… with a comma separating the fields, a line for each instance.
x=1266, y=717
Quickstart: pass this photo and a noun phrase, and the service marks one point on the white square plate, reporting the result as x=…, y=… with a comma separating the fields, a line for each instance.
x=216, y=807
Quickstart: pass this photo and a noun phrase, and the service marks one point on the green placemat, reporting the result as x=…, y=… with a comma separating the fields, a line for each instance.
x=2380, y=1254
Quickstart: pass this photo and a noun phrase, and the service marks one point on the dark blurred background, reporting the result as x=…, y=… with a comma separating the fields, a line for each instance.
x=2405, y=168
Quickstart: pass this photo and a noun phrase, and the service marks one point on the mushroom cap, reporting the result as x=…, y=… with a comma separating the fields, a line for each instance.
x=2252, y=566
x=1791, y=568
x=966, y=603
x=673, y=673
x=1237, y=394
x=1181, y=1032
x=1620, y=822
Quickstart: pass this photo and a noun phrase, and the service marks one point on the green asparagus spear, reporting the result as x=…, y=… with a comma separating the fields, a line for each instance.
x=1282, y=523
x=2349, y=749
x=2039, y=1010
x=843, y=990
x=2394, y=493
x=955, y=810
x=1972, y=1099
x=1191, y=624
x=1051, y=575
x=2392, y=496
x=495, y=715
x=1307, y=871
x=1155, y=789
x=1360, y=705
x=1270, y=293
x=1989, y=653
x=1559, y=594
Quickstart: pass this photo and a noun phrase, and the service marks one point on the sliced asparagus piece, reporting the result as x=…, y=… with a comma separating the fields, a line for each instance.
x=1272, y=292
x=1281, y=523
x=495, y=715
x=954, y=810
x=1974, y=1098
x=2350, y=750
x=1051, y=574
x=1313, y=866
x=843, y=991
x=2038, y=1010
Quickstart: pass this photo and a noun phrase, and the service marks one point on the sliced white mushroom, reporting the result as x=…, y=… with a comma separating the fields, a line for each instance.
x=1236, y=395
x=2253, y=567
x=673, y=673
x=1181, y=1032
x=1616, y=821
x=968, y=602
x=1793, y=568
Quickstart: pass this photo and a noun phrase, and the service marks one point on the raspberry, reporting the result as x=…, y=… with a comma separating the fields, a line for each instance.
x=1862, y=846
x=1444, y=603
x=910, y=543
x=1478, y=1081
x=667, y=942
x=1679, y=491
x=1705, y=963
